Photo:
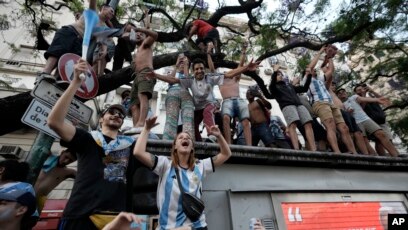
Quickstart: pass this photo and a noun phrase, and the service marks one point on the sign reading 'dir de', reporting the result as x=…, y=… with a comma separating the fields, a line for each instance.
x=48, y=94
x=36, y=116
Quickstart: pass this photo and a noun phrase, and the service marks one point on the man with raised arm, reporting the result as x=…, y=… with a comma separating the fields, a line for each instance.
x=323, y=107
x=68, y=39
x=142, y=88
x=202, y=89
x=54, y=171
x=260, y=118
x=366, y=124
x=235, y=106
x=104, y=163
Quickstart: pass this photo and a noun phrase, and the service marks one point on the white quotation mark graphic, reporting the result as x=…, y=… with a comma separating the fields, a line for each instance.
x=294, y=217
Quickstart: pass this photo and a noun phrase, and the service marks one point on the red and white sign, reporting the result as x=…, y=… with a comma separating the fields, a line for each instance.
x=333, y=215
x=90, y=85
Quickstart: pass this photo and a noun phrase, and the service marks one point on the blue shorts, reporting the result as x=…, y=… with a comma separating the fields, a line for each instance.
x=235, y=107
x=262, y=132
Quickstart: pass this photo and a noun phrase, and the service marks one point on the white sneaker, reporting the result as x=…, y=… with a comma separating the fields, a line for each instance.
x=133, y=131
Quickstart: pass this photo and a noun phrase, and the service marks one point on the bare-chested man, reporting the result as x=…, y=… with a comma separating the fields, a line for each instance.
x=142, y=89
x=235, y=106
x=258, y=113
x=54, y=171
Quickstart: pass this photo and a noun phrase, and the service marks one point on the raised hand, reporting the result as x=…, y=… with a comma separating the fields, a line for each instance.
x=210, y=47
x=214, y=130
x=124, y=220
x=253, y=65
x=384, y=101
x=151, y=123
x=80, y=67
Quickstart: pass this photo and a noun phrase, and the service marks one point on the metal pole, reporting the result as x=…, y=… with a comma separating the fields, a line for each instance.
x=38, y=154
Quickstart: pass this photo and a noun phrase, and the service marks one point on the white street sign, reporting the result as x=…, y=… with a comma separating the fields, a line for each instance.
x=49, y=94
x=36, y=116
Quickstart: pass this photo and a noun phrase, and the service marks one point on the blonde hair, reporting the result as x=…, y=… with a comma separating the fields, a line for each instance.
x=174, y=157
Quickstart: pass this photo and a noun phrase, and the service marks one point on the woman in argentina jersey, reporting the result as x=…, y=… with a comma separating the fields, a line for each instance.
x=192, y=172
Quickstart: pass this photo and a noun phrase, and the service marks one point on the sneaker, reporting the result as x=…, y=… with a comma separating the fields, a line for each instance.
x=133, y=131
x=212, y=139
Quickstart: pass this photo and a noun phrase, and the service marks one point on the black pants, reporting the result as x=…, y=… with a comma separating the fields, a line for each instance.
x=83, y=223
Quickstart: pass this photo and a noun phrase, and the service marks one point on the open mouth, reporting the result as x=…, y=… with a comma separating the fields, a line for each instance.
x=184, y=143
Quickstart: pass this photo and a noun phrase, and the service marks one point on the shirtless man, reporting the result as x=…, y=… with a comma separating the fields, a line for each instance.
x=233, y=105
x=54, y=171
x=142, y=88
x=259, y=118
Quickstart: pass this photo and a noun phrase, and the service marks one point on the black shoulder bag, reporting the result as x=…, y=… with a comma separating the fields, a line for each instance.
x=193, y=207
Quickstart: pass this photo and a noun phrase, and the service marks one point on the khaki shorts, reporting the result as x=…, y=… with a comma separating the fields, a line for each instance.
x=368, y=127
x=386, y=128
x=142, y=84
x=325, y=110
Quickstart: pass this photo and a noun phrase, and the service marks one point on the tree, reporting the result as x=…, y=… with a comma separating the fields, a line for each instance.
x=365, y=27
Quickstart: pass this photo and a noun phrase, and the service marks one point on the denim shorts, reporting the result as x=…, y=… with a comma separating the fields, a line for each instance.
x=235, y=107
x=262, y=132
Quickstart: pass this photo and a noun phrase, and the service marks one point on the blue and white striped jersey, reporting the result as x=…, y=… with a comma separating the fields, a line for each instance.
x=168, y=193
x=318, y=92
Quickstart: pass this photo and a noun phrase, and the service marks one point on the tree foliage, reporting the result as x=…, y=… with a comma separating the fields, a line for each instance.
x=363, y=28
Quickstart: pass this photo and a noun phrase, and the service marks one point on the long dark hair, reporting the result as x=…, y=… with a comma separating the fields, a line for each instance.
x=174, y=157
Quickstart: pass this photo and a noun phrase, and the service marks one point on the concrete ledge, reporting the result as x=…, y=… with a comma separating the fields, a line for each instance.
x=274, y=156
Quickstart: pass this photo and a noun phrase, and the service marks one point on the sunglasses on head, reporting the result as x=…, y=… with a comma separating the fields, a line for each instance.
x=116, y=112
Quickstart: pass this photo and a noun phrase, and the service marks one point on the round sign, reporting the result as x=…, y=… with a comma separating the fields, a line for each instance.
x=90, y=85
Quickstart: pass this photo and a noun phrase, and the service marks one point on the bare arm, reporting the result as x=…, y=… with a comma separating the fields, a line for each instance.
x=250, y=67
x=92, y=5
x=265, y=102
x=380, y=100
x=209, y=58
x=70, y=173
x=151, y=36
x=225, y=151
x=243, y=54
x=140, y=148
x=146, y=20
x=329, y=73
x=193, y=30
x=58, y=113
x=167, y=78
x=312, y=64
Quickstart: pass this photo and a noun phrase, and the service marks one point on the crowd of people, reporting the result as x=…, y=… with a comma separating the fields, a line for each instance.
x=328, y=118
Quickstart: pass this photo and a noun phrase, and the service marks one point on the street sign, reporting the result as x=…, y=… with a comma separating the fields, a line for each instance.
x=36, y=116
x=90, y=85
x=48, y=94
